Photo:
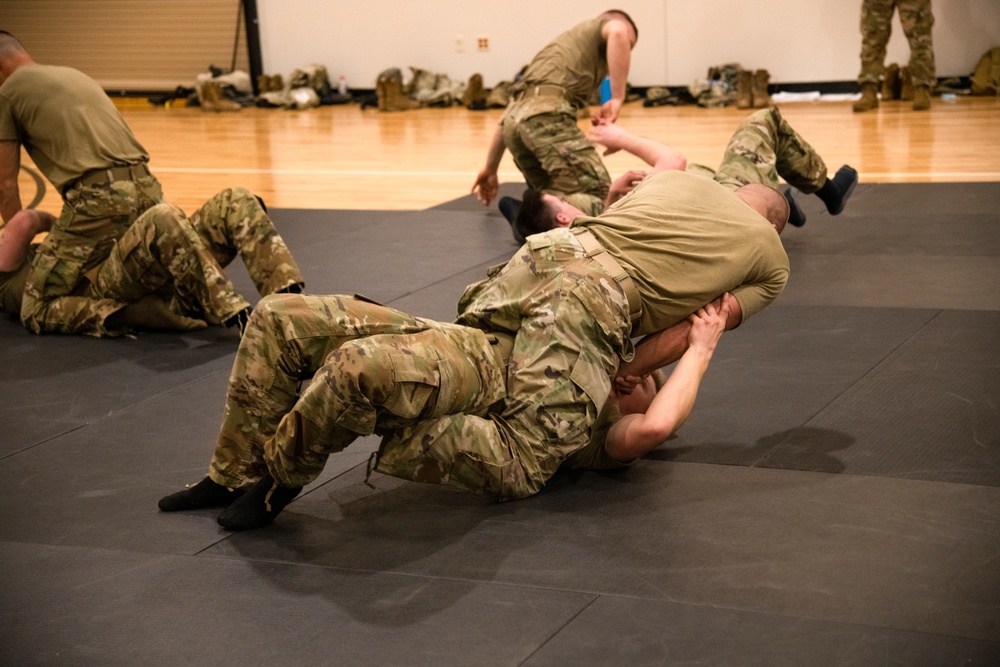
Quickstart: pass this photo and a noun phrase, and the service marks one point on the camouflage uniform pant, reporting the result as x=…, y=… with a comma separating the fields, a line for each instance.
x=92, y=218
x=765, y=147
x=372, y=369
x=554, y=155
x=569, y=323
x=165, y=253
x=552, y=325
x=876, y=26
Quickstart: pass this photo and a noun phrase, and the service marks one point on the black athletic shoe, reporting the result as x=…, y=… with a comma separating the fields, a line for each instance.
x=836, y=191
x=796, y=216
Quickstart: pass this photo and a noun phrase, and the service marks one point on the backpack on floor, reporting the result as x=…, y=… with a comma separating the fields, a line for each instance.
x=986, y=76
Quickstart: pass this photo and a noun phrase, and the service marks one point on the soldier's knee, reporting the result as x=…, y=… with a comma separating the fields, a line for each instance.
x=164, y=217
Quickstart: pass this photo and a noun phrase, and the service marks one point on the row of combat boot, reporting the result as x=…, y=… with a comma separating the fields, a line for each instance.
x=751, y=89
x=897, y=84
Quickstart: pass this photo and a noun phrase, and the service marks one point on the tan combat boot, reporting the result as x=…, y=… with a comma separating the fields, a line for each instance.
x=761, y=98
x=891, y=83
x=475, y=93
x=869, y=98
x=921, y=98
x=744, y=89
x=389, y=88
x=212, y=99
x=906, y=84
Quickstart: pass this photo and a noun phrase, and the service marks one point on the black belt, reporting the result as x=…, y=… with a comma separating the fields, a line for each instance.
x=128, y=172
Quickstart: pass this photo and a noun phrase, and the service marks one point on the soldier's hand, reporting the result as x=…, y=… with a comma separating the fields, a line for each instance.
x=486, y=186
x=150, y=313
x=624, y=184
x=624, y=384
x=608, y=113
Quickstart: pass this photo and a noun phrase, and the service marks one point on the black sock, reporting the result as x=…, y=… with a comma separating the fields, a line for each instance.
x=205, y=493
x=836, y=191
x=256, y=509
x=796, y=216
x=294, y=288
x=508, y=207
x=240, y=319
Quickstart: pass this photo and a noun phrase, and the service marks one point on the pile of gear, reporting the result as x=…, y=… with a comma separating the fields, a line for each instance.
x=730, y=84
x=432, y=89
x=306, y=88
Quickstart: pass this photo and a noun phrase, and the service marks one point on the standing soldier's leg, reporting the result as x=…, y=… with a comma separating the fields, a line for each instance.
x=918, y=20
x=162, y=252
x=234, y=222
x=876, y=25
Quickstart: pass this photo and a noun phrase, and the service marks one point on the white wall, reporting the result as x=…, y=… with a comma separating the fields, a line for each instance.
x=796, y=40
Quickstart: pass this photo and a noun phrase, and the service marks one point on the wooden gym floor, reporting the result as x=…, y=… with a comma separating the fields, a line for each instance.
x=341, y=157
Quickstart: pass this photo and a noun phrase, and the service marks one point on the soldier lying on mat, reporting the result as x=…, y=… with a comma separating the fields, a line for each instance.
x=514, y=388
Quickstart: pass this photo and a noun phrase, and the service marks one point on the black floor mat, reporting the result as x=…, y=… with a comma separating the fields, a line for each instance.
x=833, y=499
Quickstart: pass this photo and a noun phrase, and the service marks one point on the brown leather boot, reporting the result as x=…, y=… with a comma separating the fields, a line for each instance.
x=906, y=84
x=744, y=89
x=869, y=98
x=891, y=83
x=921, y=98
x=761, y=98
x=212, y=99
x=263, y=83
x=390, y=92
x=475, y=93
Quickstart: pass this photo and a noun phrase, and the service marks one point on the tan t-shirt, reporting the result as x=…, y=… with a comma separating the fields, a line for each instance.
x=685, y=240
x=576, y=60
x=66, y=122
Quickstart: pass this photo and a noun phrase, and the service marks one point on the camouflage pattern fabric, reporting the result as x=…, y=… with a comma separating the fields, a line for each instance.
x=92, y=218
x=764, y=147
x=162, y=253
x=233, y=222
x=917, y=20
x=552, y=152
x=570, y=323
x=491, y=404
x=372, y=368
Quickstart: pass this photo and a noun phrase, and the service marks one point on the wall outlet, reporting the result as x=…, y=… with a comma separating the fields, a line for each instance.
x=483, y=43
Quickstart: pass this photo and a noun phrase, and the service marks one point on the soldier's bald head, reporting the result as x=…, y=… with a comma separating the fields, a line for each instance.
x=9, y=45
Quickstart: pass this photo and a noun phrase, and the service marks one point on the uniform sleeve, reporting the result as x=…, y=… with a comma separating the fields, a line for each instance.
x=765, y=284
x=8, y=126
